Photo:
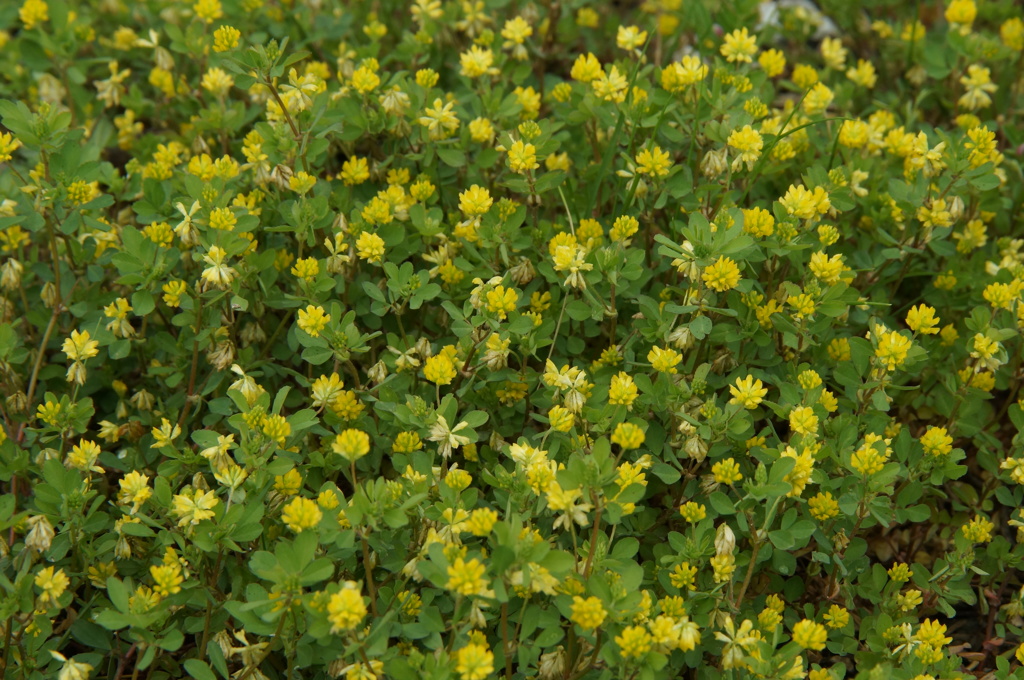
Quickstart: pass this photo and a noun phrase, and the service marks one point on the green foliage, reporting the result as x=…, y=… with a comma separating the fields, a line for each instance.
x=488, y=339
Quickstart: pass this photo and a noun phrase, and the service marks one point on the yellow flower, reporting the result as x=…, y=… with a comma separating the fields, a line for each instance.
x=502, y=300
x=588, y=613
x=225, y=38
x=758, y=222
x=516, y=31
x=475, y=201
x=723, y=275
x=773, y=62
x=664, y=360
x=218, y=273
x=377, y=210
x=678, y=76
x=962, y=13
x=936, y=441
x=165, y=434
x=351, y=444
x=365, y=80
x=748, y=142
x=53, y=582
x=922, y=319
x=80, y=347
x=805, y=204
x=328, y=499
x=984, y=348
x=208, y=10
x=932, y=633
x=818, y=99
x=34, y=12
x=867, y=460
x=803, y=421
x=477, y=61
x=653, y=162
x=561, y=419
x=863, y=74
x=833, y=53
x=630, y=37
x=301, y=182
x=810, y=635
x=481, y=521
x=900, y=572
x=8, y=145
x=355, y=171
x=823, y=506
x=481, y=130
x=628, y=436
x=634, y=642
x=474, y=662
x=522, y=157
x=277, y=428
x=892, y=349
x=978, y=86
x=726, y=472
x=217, y=82
x=839, y=349
x=611, y=86
x=586, y=68
x=827, y=269
x=837, y=617
x=370, y=247
x=467, y=578
x=623, y=391
x=809, y=379
x=439, y=369
x=301, y=514
x=748, y=392
x=801, y=474
x=739, y=46
x=908, y=601
x=624, y=227
x=441, y=121
x=1012, y=35
x=167, y=579
x=571, y=261
x=289, y=483
x=693, y=512
x=134, y=490
x=586, y=17
x=346, y=609
x=978, y=530
x=193, y=509
x=427, y=77
x=313, y=320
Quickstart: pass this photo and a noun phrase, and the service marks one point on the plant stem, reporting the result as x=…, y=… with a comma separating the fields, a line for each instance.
x=368, y=568
x=593, y=537
x=195, y=363
x=505, y=646
x=39, y=356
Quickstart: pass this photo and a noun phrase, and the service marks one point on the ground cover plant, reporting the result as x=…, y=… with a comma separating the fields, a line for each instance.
x=483, y=339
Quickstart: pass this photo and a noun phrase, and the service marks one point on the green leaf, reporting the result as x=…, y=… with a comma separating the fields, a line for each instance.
x=452, y=157
x=143, y=302
x=700, y=326
x=317, y=355
x=118, y=594
x=199, y=670
x=578, y=310
x=119, y=349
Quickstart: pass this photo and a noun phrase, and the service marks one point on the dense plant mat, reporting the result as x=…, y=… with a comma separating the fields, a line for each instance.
x=485, y=339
